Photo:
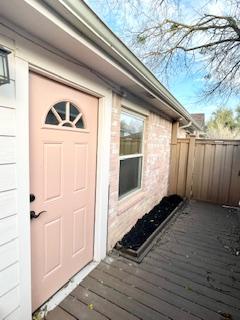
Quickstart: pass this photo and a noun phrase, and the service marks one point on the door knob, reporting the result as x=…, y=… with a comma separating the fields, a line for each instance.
x=33, y=214
x=32, y=197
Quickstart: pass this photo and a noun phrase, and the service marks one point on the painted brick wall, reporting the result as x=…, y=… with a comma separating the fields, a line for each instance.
x=123, y=214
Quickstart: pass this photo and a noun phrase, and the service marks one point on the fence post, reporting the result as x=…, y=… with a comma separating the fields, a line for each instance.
x=173, y=159
x=190, y=165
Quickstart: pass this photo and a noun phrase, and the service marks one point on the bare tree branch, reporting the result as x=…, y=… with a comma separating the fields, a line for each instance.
x=212, y=39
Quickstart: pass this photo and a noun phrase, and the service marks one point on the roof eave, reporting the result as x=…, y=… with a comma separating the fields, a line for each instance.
x=97, y=30
x=78, y=14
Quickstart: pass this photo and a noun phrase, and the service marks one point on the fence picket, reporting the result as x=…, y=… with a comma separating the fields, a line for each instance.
x=205, y=169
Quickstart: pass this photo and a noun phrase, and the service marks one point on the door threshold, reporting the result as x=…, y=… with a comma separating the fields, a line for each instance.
x=60, y=295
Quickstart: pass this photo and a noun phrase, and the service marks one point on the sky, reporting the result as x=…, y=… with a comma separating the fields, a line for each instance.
x=185, y=87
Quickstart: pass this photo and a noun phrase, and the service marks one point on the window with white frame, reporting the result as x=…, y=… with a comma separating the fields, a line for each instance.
x=131, y=152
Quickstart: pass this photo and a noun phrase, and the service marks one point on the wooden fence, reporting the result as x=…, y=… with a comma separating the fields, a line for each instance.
x=207, y=170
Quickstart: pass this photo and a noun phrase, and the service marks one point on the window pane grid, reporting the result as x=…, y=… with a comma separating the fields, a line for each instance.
x=65, y=114
x=131, y=153
x=131, y=134
x=130, y=175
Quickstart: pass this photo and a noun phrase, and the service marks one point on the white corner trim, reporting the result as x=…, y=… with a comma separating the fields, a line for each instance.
x=102, y=183
x=22, y=172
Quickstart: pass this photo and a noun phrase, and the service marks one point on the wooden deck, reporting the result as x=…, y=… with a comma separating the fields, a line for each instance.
x=193, y=272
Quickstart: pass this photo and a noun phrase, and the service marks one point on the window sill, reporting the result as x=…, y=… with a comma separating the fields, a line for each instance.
x=129, y=201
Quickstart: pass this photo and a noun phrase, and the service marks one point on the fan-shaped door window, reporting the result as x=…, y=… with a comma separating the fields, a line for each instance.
x=65, y=114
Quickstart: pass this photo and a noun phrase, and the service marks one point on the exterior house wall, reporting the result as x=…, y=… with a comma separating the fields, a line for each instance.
x=124, y=213
x=15, y=273
x=15, y=264
x=9, y=238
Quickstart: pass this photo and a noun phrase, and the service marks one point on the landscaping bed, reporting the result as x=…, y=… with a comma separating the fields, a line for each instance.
x=139, y=240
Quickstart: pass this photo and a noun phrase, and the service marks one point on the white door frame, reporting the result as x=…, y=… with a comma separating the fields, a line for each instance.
x=79, y=78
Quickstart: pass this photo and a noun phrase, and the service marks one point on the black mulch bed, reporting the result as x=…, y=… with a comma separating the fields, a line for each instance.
x=149, y=223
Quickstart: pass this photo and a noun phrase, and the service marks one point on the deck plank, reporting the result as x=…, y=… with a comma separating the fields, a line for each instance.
x=186, y=251
x=102, y=305
x=201, y=249
x=143, y=297
x=191, y=273
x=122, y=300
x=205, y=280
x=161, y=293
x=206, y=264
x=178, y=289
x=79, y=310
x=201, y=289
x=59, y=314
x=197, y=268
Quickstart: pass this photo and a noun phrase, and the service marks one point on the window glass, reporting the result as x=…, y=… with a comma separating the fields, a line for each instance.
x=131, y=134
x=67, y=124
x=51, y=118
x=60, y=107
x=129, y=175
x=73, y=112
x=65, y=114
x=79, y=124
x=131, y=152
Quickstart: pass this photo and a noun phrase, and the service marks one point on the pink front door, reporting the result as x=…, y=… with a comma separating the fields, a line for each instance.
x=63, y=144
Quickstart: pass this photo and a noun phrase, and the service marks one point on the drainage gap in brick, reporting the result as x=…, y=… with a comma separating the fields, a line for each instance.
x=140, y=239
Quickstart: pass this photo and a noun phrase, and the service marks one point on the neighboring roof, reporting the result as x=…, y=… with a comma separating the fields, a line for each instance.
x=72, y=28
x=199, y=118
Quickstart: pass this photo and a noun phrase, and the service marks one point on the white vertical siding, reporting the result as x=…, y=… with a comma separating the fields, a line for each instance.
x=9, y=255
